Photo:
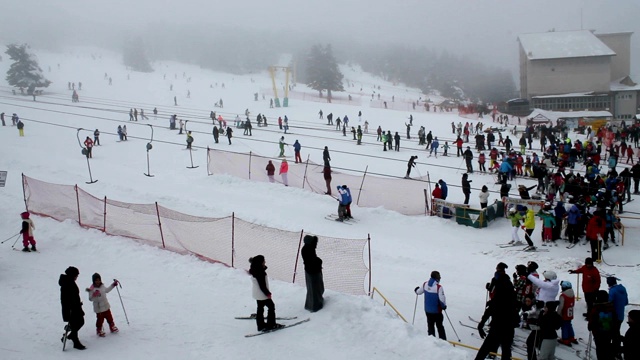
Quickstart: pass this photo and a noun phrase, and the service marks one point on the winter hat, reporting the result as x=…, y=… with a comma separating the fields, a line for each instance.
x=95, y=277
x=72, y=271
x=256, y=260
x=588, y=261
x=310, y=240
x=501, y=266
x=435, y=275
x=564, y=284
x=611, y=280
x=532, y=266
x=521, y=269
x=550, y=275
x=24, y=215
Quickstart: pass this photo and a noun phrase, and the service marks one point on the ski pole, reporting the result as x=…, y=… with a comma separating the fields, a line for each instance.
x=9, y=238
x=415, y=307
x=121, y=303
x=454, y=329
x=14, y=243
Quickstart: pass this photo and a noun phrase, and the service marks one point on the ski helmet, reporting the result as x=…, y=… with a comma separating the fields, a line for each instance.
x=564, y=284
x=550, y=275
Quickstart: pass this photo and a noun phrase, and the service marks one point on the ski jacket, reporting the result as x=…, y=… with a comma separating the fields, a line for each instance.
x=297, y=146
x=482, y=159
x=99, y=298
x=271, y=169
x=567, y=302
x=549, y=322
x=515, y=219
x=530, y=219
x=595, y=227
x=434, y=299
x=435, y=144
x=70, y=298
x=549, y=289
x=505, y=167
x=618, y=297
x=284, y=168
x=548, y=221
x=484, y=197
x=445, y=189
x=590, y=278
x=88, y=143
x=260, y=283
x=573, y=215
x=437, y=193
x=345, y=197
x=466, y=185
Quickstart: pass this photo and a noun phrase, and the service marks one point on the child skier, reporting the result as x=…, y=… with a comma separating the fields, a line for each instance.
x=565, y=309
x=548, y=222
x=262, y=294
x=98, y=296
x=515, y=218
x=27, y=232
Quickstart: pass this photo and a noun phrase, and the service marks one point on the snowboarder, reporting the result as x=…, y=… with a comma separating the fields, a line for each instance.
x=88, y=143
x=434, y=303
x=271, y=170
x=27, y=232
x=313, y=274
x=284, y=170
x=71, y=305
x=98, y=296
x=262, y=294
x=411, y=164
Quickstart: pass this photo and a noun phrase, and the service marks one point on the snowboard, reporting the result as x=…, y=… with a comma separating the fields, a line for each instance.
x=274, y=330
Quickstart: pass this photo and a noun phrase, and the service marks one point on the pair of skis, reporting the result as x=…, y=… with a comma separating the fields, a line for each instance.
x=253, y=316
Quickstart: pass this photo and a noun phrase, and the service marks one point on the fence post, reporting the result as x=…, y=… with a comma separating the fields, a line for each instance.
x=233, y=237
x=24, y=193
x=104, y=224
x=362, y=183
x=369, y=246
x=208, y=159
x=78, y=203
x=430, y=192
x=160, y=225
x=304, y=178
x=249, y=165
x=295, y=268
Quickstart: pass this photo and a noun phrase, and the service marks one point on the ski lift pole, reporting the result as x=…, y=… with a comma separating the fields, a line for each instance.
x=85, y=152
x=149, y=147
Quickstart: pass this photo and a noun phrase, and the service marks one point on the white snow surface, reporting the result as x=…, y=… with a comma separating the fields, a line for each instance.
x=182, y=307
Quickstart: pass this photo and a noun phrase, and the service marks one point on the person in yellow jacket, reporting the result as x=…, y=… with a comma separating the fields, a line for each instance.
x=529, y=226
x=515, y=218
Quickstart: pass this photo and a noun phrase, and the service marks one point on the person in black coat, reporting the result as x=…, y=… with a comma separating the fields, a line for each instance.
x=71, y=305
x=216, y=134
x=466, y=188
x=631, y=349
x=313, y=274
x=468, y=157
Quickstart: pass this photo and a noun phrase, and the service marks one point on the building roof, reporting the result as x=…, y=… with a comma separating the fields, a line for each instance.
x=563, y=44
x=624, y=84
x=555, y=115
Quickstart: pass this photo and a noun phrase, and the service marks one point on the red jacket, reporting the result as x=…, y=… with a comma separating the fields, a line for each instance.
x=590, y=278
x=437, y=193
x=459, y=142
x=88, y=143
x=568, y=301
x=595, y=226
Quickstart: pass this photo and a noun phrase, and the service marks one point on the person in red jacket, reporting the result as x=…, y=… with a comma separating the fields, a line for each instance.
x=565, y=310
x=590, y=282
x=459, y=143
x=595, y=233
x=88, y=143
x=437, y=192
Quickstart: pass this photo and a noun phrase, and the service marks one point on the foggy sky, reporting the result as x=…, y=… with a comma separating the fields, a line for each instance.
x=484, y=29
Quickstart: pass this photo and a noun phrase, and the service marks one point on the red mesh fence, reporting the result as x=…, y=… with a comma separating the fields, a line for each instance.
x=229, y=240
x=367, y=190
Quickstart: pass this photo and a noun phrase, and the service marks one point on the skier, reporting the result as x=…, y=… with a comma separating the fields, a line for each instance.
x=411, y=164
x=98, y=296
x=88, y=143
x=281, y=144
x=434, y=147
x=96, y=138
x=618, y=297
x=296, y=150
x=313, y=274
x=565, y=309
x=466, y=187
x=600, y=325
x=345, y=198
x=529, y=226
x=71, y=305
x=262, y=294
x=434, y=303
x=271, y=170
x=284, y=170
x=515, y=218
x=189, y=140
x=27, y=232
x=181, y=124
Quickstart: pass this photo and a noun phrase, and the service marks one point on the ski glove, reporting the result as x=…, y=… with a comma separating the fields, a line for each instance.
x=115, y=283
x=481, y=330
x=96, y=293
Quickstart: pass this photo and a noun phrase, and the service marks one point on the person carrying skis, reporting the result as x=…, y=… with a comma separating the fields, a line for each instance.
x=71, y=305
x=296, y=150
x=27, y=232
x=262, y=294
x=515, y=218
x=411, y=164
x=313, y=274
x=271, y=170
x=434, y=303
x=88, y=143
x=281, y=144
x=98, y=296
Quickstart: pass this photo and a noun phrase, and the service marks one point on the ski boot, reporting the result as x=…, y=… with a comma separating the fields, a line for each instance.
x=100, y=332
x=26, y=249
x=113, y=329
x=33, y=248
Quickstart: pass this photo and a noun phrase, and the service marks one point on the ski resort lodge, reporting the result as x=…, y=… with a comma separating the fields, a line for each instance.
x=579, y=71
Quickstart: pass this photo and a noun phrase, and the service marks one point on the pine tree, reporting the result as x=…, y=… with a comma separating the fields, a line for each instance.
x=322, y=70
x=25, y=71
x=135, y=58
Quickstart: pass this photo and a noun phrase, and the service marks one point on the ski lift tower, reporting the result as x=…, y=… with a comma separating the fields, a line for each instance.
x=272, y=71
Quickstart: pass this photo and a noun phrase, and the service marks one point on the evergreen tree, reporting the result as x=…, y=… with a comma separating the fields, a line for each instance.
x=135, y=57
x=25, y=71
x=322, y=70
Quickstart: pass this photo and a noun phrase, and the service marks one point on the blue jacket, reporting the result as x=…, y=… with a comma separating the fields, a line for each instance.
x=435, y=144
x=434, y=299
x=345, y=195
x=445, y=190
x=296, y=146
x=574, y=215
x=505, y=167
x=559, y=210
x=618, y=296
